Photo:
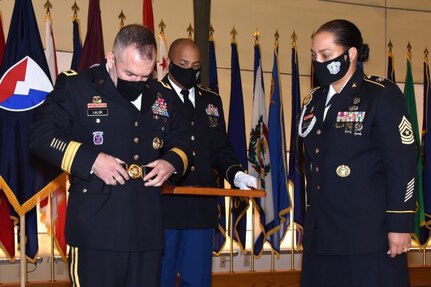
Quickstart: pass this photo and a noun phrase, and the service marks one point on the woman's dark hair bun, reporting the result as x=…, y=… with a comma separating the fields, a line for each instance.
x=363, y=53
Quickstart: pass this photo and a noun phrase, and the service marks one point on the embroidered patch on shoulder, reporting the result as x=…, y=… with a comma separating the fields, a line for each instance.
x=410, y=189
x=406, y=131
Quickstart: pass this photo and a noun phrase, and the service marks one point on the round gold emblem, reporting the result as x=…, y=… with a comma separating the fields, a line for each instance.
x=343, y=171
x=134, y=171
x=157, y=143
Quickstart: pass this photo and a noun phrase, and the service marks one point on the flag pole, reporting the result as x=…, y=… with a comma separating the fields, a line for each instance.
x=256, y=36
x=276, y=45
x=292, y=190
x=231, y=233
x=272, y=259
x=48, y=6
x=52, y=238
x=252, y=236
x=23, y=262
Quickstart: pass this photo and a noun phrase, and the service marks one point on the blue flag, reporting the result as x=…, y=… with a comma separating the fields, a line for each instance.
x=25, y=82
x=259, y=164
x=426, y=151
x=236, y=133
x=296, y=156
x=220, y=231
x=213, y=78
x=391, y=71
x=77, y=45
x=278, y=222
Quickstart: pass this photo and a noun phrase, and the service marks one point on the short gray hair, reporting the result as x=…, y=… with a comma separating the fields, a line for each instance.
x=138, y=36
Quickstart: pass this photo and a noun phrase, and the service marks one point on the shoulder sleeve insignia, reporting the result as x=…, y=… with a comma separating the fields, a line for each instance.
x=70, y=73
x=167, y=86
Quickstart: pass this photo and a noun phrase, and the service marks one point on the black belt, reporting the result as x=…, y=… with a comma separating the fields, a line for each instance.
x=137, y=171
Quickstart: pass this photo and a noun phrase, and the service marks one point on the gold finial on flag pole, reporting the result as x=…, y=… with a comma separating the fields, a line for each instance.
x=48, y=7
x=190, y=30
x=409, y=51
x=233, y=32
x=211, y=32
x=75, y=9
x=122, y=17
x=162, y=27
x=426, y=53
x=277, y=36
x=390, y=46
x=256, y=36
x=294, y=38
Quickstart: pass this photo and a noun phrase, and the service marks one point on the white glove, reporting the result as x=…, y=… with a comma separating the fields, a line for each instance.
x=244, y=181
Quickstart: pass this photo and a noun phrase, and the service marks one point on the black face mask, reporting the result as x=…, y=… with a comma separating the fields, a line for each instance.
x=333, y=70
x=187, y=78
x=130, y=89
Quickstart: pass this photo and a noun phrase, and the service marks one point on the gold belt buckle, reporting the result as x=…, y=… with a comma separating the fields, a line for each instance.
x=134, y=171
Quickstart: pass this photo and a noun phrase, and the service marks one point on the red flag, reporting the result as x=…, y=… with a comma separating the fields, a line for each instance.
x=93, y=51
x=2, y=39
x=53, y=215
x=7, y=243
x=147, y=13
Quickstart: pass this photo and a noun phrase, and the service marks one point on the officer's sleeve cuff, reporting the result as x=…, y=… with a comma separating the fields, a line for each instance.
x=178, y=158
x=78, y=160
x=400, y=221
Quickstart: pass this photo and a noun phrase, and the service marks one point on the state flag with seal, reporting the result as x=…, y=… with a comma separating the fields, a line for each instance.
x=25, y=82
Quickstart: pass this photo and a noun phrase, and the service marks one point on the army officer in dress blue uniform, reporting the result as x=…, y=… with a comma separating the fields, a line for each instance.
x=190, y=220
x=107, y=128
x=360, y=169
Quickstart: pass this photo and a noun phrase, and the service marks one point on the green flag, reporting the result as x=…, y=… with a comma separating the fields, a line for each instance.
x=409, y=94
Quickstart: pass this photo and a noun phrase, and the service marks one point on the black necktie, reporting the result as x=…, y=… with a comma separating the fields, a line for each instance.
x=187, y=103
x=331, y=100
x=328, y=105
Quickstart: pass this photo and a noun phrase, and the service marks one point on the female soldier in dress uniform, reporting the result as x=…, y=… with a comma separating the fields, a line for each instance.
x=360, y=167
